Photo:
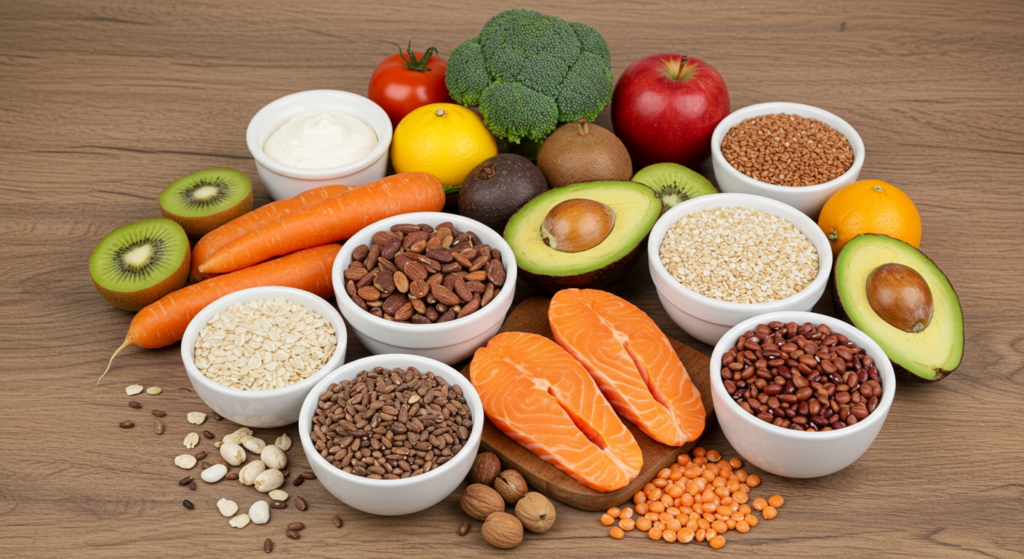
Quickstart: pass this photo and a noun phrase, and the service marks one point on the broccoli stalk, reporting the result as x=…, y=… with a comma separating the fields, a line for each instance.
x=529, y=72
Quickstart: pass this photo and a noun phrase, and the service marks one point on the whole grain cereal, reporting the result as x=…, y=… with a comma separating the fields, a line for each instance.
x=739, y=255
x=263, y=345
x=787, y=150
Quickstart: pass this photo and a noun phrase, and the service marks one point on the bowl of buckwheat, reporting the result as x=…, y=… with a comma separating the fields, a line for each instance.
x=720, y=259
x=797, y=154
x=254, y=355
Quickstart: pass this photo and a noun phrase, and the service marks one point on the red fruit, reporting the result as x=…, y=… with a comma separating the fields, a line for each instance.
x=665, y=108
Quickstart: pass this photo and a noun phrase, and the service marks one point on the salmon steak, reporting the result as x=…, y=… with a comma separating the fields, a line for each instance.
x=543, y=399
x=632, y=362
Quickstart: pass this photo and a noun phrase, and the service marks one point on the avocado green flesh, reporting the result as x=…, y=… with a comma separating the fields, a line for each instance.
x=636, y=209
x=929, y=354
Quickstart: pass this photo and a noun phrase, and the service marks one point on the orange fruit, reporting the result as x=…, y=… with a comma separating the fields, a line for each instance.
x=870, y=206
x=442, y=139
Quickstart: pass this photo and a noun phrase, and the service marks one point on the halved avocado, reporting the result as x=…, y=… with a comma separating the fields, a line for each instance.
x=925, y=349
x=635, y=209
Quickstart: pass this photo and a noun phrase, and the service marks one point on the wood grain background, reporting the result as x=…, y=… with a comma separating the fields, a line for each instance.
x=103, y=103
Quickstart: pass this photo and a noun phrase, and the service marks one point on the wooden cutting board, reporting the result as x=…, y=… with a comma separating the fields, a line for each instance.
x=532, y=316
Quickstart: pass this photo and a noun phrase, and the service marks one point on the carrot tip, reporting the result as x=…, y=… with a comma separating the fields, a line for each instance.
x=127, y=342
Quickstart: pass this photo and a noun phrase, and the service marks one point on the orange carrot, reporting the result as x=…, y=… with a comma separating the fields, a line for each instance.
x=163, y=322
x=332, y=220
x=216, y=239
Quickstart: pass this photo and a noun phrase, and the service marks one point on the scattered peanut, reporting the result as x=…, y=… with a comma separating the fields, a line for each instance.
x=284, y=442
x=274, y=457
x=248, y=474
x=240, y=521
x=232, y=453
x=133, y=389
x=278, y=495
x=227, y=507
x=253, y=444
x=185, y=461
x=259, y=512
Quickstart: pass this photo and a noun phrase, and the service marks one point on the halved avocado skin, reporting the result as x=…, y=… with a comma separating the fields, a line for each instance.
x=840, y=310
x=594, y=279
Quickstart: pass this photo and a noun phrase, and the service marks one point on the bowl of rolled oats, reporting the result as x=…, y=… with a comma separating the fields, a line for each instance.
x=254, y=355
x=794, y=153
x=720, y=259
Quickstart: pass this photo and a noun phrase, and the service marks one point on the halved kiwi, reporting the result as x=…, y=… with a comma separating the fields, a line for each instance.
x=673, y=183
x=203, y=201
x=140, y=263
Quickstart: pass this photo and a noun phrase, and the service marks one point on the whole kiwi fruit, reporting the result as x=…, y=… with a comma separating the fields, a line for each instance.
x=583, y=152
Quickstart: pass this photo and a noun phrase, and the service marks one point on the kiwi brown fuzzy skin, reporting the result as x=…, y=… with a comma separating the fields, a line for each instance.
x=137, y=300
x=583, y=152
x=196, y=227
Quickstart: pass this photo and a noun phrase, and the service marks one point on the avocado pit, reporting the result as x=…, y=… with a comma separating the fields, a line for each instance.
x=901, y=297
x=576, y=225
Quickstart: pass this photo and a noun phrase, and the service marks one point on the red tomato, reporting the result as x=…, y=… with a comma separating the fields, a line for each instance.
x=408, y=80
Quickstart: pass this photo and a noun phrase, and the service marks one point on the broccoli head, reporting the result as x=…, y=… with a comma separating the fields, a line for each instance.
x=529, y=72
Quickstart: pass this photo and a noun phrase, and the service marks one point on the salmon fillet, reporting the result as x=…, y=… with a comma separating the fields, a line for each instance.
x=538, y=395
x=632, y=362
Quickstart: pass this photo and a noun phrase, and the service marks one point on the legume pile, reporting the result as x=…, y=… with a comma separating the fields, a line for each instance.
x=739, y=255
x=787, y=150
x=419, y=274
x=391, y=424
x=695, y=499
x=801, y=377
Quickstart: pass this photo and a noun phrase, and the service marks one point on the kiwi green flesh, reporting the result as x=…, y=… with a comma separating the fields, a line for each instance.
x=673, y=183
x=205, y=192
x=139, y=255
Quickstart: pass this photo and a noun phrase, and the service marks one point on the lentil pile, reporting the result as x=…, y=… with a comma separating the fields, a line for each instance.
x=739, y=255
x=803, y=378
x=423, y=275
x=699, y=498
x=391, y=424
x=787, y=150
x=263, y=345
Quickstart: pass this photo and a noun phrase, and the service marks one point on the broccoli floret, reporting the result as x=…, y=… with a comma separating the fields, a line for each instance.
x=529, y=72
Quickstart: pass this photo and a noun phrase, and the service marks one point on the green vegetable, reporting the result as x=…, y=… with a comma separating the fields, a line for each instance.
x=529, y=72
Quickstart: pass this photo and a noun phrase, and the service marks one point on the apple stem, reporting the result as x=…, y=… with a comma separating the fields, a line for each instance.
x=584, y=128
x=682, y=67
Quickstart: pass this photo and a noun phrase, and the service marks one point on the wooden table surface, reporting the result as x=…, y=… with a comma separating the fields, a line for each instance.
x=103, y=103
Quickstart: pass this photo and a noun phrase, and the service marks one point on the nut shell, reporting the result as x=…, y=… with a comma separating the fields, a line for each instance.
x=511, y=485
x=536, y=512
x=486, y=467
x=502, y=530
x=480, y=501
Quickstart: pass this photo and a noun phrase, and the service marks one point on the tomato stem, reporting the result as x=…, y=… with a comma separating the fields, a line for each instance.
x=412, y=63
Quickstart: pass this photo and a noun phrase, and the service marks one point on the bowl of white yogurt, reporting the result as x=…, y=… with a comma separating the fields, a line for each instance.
x=316, y=138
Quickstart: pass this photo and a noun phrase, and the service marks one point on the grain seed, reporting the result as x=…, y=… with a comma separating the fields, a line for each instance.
x=196, y=417
x=134, y=389
x=153, y=390
x=191, y=440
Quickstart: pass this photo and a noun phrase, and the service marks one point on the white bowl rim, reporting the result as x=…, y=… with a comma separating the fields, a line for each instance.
x=824, y=261
x=313, y=398
x=874, y=350
x=734, y=118
x=296, y=295
x=378, y=151
x=400, y=328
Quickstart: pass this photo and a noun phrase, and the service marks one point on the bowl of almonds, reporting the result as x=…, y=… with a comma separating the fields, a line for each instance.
x=431, y=284
x=253, y=355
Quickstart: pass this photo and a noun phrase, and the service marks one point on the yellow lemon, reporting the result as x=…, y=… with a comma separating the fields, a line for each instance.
x=443, y=139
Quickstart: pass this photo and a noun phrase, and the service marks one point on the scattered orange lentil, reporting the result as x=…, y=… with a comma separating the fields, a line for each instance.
x=701, y=496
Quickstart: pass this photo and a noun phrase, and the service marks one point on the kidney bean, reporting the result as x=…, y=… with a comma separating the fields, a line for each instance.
x=801, y=377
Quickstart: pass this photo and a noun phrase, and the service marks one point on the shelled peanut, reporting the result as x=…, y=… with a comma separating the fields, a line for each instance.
x=699, y=498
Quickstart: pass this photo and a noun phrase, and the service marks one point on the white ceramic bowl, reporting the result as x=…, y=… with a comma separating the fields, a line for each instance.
x=448, y=342
x=263, y=408
x=393, y=497
x=791, y=453
x=284, y=181
x=808, y=199
x=705, y=318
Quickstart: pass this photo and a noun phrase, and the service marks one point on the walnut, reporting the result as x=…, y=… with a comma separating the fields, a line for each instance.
x=502, y=530
x=536, y=512
x=486, y=467
x=479, y=501
x=511, y=486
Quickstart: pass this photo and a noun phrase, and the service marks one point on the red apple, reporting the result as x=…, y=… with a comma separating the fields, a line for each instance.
x=665, y=108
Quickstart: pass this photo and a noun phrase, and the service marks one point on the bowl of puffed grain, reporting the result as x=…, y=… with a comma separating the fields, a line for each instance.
x=254, y=355
x=720, y=259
